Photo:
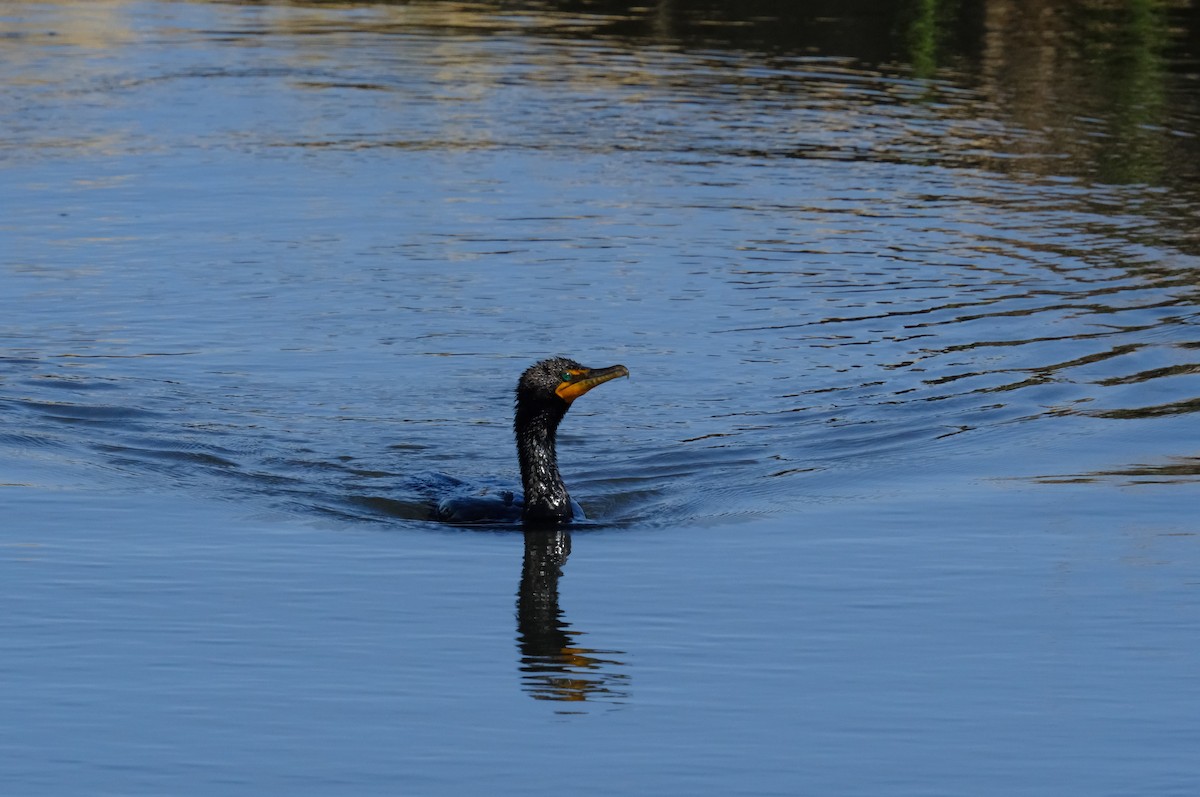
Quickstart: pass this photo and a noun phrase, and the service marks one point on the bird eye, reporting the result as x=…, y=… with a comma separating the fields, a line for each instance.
x=566, y=376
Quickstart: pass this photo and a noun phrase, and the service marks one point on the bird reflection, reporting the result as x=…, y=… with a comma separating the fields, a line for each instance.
x=553, y=665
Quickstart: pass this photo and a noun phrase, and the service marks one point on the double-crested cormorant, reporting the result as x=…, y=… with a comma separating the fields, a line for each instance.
x=544, y=394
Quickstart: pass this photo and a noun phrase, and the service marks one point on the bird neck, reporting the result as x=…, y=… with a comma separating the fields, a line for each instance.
x=546, y=496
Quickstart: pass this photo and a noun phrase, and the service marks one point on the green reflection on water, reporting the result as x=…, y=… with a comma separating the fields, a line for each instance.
x=1129, y=51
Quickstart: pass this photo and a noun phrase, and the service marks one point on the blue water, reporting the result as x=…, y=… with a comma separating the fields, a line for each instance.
x=899, y=497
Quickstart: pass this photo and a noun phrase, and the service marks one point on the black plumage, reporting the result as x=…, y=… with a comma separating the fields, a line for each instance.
x=545, y=392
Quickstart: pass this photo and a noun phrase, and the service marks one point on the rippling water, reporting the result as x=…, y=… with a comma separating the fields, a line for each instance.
x=881, y=276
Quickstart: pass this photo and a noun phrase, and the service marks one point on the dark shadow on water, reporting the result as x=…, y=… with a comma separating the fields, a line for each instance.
x=1175, y=470
x=554, y=665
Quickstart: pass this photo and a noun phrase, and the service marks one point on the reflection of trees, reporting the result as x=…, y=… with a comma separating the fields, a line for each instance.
x=554, y=665
x=1084, y=87
x=1089, y=79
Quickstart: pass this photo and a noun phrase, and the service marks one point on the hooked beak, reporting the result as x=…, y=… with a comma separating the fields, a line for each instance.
x=583, y=380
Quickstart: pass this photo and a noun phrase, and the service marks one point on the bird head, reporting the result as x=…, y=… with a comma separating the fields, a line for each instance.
x=561, y=380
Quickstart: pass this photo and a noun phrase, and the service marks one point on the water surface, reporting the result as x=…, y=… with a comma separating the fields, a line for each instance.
x=899, y=498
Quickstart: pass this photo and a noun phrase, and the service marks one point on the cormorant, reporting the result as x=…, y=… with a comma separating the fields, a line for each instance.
x=544, y=394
